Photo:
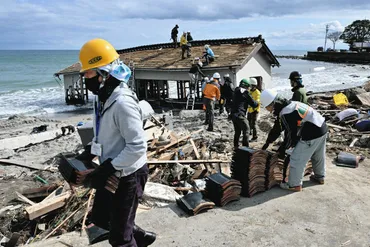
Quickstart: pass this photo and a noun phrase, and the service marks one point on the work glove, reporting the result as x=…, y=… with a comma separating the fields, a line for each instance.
x=102, y=177
x=264, y=147
x=86, y=155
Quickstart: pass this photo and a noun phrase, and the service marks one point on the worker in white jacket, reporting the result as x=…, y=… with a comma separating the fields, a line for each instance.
x=120, y=143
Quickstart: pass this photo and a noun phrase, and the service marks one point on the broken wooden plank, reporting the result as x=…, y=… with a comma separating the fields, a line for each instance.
x=64, y=221
x=156, y=120
x=92, y=194
x=337, y=126
x=24, y=199
x=353, y=142
x=195, y=149
x=45, y=207
x=364, y=98
x=187, y=149
x=173, y=143
x=39, y=192
x=153, y=162
x=16, y=163
x=22, y=141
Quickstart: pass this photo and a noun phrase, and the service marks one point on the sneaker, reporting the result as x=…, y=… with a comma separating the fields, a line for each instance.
x=315, y=179
x=286, y=186
x=254, y=138
x=210, y=129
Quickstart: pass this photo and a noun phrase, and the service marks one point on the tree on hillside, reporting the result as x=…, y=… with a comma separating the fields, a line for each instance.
x=358, y=31
x=334, y=37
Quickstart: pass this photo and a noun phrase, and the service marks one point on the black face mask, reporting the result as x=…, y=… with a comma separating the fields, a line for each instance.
x=93, y=84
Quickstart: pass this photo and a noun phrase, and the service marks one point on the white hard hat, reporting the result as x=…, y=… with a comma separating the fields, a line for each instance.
x=206, y=79
x=226, y=75
x=253, y=81
x=206, y=47
x=267, y=97
x=216, y=75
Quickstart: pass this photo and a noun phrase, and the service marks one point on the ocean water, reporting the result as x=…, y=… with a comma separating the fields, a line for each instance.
x=27, y=85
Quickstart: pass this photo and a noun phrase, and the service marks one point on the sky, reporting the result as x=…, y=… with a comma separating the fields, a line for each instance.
x=68, y=24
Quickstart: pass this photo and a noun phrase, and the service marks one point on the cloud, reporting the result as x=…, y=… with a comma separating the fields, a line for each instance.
x=39, y=24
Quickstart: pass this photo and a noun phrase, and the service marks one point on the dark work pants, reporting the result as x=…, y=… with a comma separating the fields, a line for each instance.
x=241, y=126
x=116, y=212
x=185, y=48
x=252, y=119
x=174, y=40
x=210, y=108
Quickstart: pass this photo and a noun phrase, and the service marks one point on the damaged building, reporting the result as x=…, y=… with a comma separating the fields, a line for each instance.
x=161, y=77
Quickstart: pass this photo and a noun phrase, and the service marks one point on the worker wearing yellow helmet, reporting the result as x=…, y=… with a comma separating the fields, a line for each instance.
x=119, y=142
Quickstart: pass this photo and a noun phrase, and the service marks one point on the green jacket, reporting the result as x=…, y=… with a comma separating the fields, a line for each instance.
x=299, y=94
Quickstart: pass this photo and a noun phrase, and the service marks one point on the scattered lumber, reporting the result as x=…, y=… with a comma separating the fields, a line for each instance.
x=337, y=126
x=24, y=199
x=47, y=206
x=194, y=162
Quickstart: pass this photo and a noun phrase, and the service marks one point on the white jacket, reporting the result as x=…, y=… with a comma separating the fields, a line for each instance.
x=121, y=132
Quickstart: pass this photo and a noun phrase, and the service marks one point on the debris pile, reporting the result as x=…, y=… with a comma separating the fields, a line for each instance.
x=347, y=115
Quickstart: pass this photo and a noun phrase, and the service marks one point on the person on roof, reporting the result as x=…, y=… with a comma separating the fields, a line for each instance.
x=120, y=144
x=305, y=137
x=253, y=111
x=227, y=93
x=174, y=33
x=241, y=100
x=185, y=43
x=211, y=93
x=299, y=92
x=208, y=55
x=194, y=72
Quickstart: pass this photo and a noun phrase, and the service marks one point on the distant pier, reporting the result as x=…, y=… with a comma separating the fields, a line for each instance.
x=290, y=57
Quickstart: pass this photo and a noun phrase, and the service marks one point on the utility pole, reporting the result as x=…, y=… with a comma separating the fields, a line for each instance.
x=326, y=36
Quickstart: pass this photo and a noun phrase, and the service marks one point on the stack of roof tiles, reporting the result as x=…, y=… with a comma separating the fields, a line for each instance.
x=308, y=170
x=274, y=171
x=222, y=189
x=249, y=167
x=194, y=203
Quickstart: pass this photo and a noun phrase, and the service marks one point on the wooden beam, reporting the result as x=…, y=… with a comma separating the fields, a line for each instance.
x=195, y=149
x=45, y=207
x=153, y=162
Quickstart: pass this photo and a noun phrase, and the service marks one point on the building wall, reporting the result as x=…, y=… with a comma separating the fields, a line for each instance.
x=174, y=75
x=256, y=66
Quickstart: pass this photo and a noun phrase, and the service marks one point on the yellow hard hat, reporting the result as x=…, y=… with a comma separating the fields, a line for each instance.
x=96, y=53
